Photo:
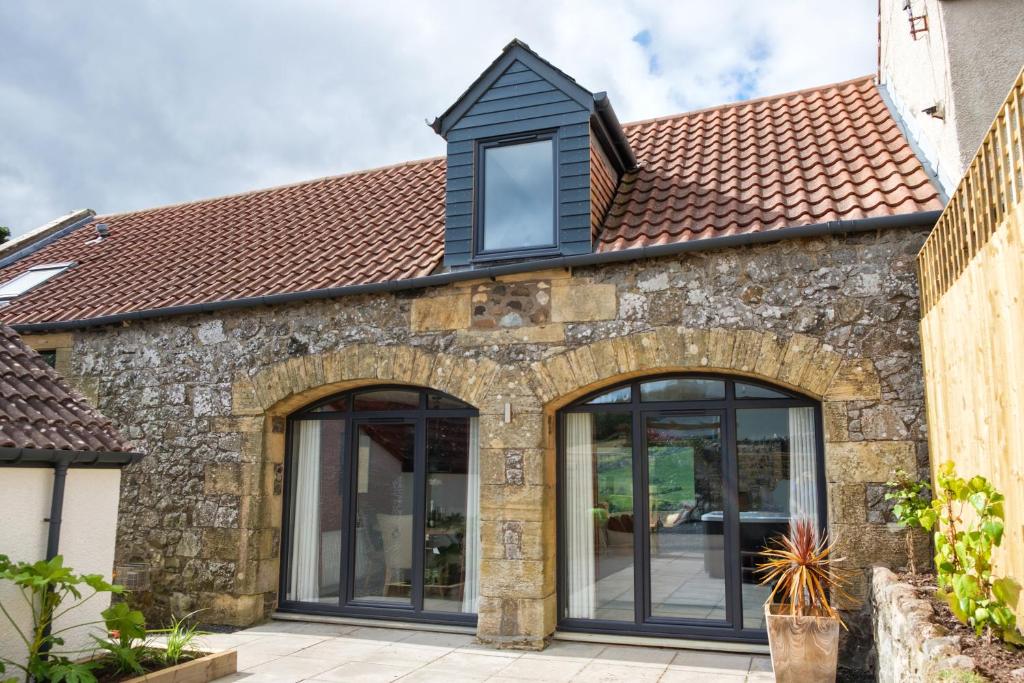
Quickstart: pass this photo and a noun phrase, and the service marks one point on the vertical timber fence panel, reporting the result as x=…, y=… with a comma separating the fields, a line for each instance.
x=971, y=270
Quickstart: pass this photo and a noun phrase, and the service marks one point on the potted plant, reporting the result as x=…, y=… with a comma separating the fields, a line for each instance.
x=803, y=624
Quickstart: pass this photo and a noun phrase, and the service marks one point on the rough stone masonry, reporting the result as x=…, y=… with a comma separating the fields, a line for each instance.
x=206, y=397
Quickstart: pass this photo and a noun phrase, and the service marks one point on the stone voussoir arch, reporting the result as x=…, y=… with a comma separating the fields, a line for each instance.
x=798, y=362
x=282, y=388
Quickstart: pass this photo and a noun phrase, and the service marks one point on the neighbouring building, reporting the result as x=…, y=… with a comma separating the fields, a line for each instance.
x=60, y=480
x=947, y=65
x=571, y=375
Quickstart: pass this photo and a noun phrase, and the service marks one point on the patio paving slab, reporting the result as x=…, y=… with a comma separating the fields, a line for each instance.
x=290, y=652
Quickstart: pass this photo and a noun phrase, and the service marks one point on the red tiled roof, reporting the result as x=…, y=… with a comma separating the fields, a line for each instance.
x=38, y=410
x=798, y=159
x=808, y=157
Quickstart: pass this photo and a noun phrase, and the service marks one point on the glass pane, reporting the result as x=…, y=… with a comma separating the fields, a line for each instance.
x=777, y=466
x=316, y=515
x=682, y=390
x=599, y=516
x=452, y=498
x=620, y=395
x=754, y=391
x=339, y=404
x=384, y=510
x=684, y=459
x=519, y=196
x=388, y=399
x=442, y=402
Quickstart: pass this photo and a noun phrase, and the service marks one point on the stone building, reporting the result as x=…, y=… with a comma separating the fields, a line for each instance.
x=571, y=376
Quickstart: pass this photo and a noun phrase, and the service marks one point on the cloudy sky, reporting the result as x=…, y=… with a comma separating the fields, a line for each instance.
x=127, y=104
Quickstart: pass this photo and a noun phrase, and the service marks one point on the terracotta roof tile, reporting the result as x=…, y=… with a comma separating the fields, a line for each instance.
x=38, y=410
x=807, y=157
x=817, y=155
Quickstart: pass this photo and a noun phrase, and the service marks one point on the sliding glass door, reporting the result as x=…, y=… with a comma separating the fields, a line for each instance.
x=668, y=490
x=383, y=507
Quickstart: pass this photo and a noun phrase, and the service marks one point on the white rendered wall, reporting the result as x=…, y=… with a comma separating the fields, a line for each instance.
x=965, y=62
x=88, y=528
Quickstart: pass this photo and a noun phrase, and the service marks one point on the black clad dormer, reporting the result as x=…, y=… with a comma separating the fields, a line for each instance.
x=533, y=162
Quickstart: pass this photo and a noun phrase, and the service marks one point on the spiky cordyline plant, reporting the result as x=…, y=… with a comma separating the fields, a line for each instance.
x=802, y=568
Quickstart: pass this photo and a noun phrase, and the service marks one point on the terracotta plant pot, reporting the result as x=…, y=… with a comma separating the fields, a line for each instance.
x=804, y=649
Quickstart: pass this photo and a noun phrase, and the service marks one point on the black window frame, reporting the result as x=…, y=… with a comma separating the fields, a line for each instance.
x=677, y=628
x=345, y=605
x=479, y=182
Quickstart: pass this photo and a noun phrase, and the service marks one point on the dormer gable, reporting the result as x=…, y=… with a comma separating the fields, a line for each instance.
x=533, y=162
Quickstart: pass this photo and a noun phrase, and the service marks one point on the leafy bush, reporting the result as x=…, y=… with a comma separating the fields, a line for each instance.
x=45, y=586
x=126, y=648
x=912, y=509
x=963, y=554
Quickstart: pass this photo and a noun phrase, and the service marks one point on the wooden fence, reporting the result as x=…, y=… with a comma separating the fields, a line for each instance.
x=971, y=271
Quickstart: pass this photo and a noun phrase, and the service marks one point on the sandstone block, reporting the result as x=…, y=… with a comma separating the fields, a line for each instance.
x=515, y=540
x=523, y=623
x=867, y=461
x=855, y=380
x=836, y=421
x=582, y=302
x=517, y=578
x=533, y=334
x=769, y=359
x=433, y=313
x=525, y=503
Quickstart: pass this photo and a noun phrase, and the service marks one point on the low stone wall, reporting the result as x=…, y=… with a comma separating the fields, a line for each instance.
x=909, y=646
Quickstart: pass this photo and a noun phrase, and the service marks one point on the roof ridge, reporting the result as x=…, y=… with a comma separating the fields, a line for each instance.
x=756, y=100
x=424, y=160
x=272, y=188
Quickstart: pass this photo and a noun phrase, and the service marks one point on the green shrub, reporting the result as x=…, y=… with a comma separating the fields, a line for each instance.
x=963, y=554
x=45, y=586
x=912, y=509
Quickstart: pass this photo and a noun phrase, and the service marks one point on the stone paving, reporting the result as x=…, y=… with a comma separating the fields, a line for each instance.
x=286, y=652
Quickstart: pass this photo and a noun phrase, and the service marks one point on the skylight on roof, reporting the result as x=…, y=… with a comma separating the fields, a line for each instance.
x=31, y=278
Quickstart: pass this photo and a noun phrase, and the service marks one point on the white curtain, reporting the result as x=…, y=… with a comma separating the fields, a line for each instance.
x=471, y=592
x=304, y=565
x=803, y=501
x=579, y=515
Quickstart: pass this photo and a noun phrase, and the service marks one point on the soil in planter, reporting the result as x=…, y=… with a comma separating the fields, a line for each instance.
x=107, y=673
x=994, y=660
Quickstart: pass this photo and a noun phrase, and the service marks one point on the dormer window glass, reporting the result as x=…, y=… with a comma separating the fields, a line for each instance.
x=516, y=195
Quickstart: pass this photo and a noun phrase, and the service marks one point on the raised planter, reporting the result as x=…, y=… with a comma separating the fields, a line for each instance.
x=804, y=649
x=910, y=646
x=206, y=668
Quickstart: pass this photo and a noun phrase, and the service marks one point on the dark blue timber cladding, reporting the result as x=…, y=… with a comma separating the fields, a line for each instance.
x=525, y=97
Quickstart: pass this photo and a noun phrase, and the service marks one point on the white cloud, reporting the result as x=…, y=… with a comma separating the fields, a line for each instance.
x=123, y=105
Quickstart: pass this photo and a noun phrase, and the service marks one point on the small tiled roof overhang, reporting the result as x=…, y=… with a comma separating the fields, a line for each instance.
x=43, y=420
x=806, y=158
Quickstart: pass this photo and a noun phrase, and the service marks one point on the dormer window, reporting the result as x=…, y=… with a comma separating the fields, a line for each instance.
x=516, y=196
x=534, y=161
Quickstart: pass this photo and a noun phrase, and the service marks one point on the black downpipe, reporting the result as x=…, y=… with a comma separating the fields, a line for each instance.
x=60, y=475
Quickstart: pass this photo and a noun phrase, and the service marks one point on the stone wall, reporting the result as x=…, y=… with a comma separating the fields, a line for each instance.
x=909, y=646
x=207, y=398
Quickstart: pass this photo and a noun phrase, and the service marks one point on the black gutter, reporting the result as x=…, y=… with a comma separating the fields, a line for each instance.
x=52, y=457
x=910, y=220
x=49, y=239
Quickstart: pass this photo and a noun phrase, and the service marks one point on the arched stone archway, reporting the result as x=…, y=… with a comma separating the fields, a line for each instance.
x=260, y=405
x=801, y=363
x=518, y=566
